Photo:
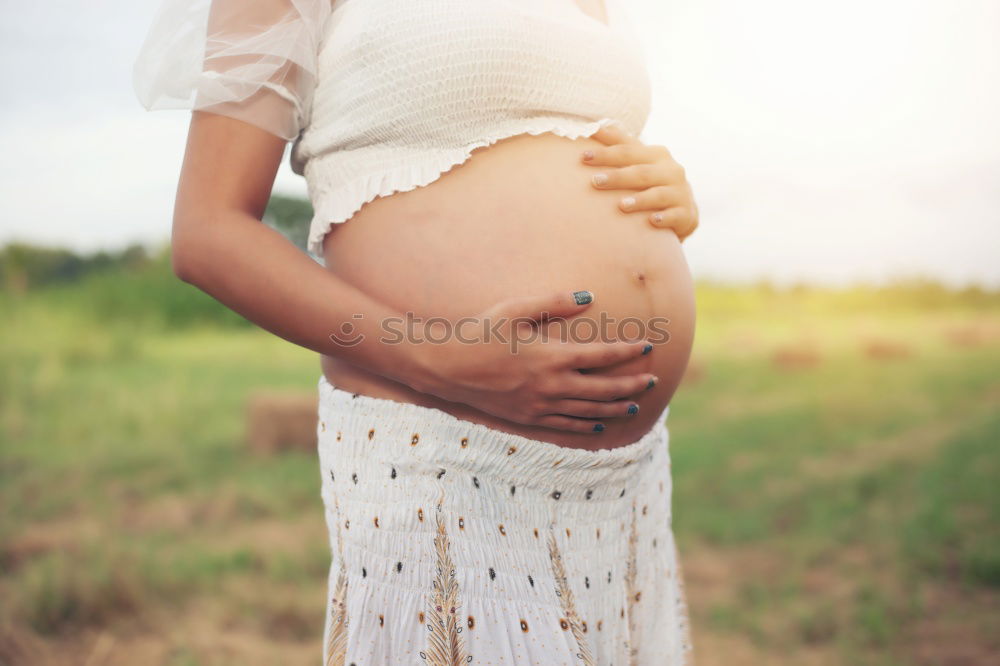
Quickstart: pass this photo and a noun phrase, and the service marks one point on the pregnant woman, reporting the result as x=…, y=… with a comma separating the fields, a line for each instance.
x=503, y=310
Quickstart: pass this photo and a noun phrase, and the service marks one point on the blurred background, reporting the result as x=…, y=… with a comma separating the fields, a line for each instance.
x=834, y=442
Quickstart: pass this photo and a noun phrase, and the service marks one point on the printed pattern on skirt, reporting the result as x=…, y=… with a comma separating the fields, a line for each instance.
x=454, y=543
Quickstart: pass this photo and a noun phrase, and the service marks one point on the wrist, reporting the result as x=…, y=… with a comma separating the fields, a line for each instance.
x=424, y=363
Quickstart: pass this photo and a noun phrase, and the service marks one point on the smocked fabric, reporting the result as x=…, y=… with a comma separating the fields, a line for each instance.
x=454, y=543
x=407, y=90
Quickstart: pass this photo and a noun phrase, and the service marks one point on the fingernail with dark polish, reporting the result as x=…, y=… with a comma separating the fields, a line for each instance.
x=652, y=383
x=647, y=349
x=598, y=427
x=582, y=297
x=633, y=409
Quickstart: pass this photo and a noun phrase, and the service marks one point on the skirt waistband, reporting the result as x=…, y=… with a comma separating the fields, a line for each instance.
x=384, y=430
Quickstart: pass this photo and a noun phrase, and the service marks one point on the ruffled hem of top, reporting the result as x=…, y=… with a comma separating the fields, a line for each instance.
x=348, y=199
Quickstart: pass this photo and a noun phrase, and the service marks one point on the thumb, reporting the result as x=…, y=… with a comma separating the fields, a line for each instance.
x=613, y=133
x=537, y=308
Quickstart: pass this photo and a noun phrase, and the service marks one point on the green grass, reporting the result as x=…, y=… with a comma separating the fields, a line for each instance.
x=834, y=511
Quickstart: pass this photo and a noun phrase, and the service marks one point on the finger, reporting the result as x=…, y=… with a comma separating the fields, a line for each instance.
x=683, y=236
x=634, y=177
x=594, y=409
x=611, y=155
x=677, y=218
x=691, y=229
x=655, y=198
x=536, y=308
x=604, y=387
x=612, y=134
x=624, y=154
x=587, y=355
x=570, y=424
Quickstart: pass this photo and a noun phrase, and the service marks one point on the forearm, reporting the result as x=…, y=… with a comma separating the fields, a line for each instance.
x=255, y=271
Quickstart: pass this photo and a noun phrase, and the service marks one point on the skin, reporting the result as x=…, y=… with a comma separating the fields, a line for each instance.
x=660, y=183
x=220, y=246
x=518, y=215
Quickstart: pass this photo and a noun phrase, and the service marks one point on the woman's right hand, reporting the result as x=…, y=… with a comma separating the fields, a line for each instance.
x=515, y=373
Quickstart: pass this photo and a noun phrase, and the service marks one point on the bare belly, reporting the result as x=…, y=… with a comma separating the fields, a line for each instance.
x=519, y=218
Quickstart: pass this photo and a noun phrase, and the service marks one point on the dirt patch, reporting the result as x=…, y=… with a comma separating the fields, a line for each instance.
x=19, y=646
x=205, y=631
x=173, y=513
x=952, y=625
x=36, y=540
x=713, y=575
x=715, y=649
x=957, y=627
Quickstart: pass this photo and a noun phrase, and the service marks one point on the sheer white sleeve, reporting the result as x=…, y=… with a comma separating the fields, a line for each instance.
x=253, y=60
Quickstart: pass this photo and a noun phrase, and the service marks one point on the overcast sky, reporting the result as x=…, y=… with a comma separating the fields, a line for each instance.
x=828, y=142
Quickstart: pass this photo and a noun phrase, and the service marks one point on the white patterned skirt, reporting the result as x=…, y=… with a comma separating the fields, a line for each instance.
x=455, y=543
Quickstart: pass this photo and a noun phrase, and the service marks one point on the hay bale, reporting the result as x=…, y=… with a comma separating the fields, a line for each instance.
x=886, y=349
x=746, y=341
x=975, y=334
x=798, y=356
x=694, y=372
x=282, y=421
x=20, y=645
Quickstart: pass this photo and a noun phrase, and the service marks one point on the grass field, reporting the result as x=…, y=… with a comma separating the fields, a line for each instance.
x=837, y=494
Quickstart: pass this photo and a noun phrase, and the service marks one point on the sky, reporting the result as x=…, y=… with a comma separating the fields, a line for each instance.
x=825, y=142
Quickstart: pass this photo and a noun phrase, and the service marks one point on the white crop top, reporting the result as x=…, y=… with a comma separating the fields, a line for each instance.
x=383, y=96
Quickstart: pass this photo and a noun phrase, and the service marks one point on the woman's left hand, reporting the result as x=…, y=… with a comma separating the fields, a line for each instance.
x=660, y=182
